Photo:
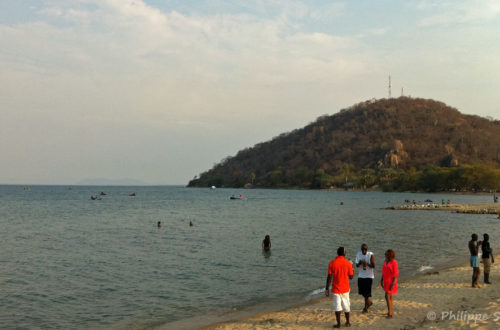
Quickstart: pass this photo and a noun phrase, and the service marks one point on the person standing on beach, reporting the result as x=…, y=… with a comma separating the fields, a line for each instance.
x=389, y=280
x=474, y=259
x=340, y=270
x=366, y=260
x=487, y=254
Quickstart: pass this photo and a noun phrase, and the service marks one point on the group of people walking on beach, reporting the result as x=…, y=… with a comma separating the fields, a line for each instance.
x=487, y=256
x=341, y=270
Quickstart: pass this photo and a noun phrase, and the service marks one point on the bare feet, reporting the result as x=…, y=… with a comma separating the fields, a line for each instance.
x=367, y=305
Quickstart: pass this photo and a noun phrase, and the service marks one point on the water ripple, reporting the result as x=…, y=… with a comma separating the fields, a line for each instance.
x=68, y=262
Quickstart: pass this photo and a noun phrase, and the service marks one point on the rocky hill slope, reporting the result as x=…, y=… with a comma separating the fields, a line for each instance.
x=397, y=134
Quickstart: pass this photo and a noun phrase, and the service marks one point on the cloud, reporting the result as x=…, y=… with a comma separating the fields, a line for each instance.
x=92, y=84
x=459, y=12
x=87, y=77
x=182, y=62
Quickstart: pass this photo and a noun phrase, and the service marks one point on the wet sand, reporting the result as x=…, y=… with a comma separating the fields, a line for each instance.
x=434, y=300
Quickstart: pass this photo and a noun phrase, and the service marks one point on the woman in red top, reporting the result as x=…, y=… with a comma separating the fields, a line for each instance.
x=389, y=281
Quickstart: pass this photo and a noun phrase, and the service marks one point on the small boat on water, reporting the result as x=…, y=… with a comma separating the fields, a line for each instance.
x=235, y=197
x=132, y=194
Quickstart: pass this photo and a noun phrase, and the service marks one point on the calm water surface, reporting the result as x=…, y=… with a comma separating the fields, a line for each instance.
x=69, y=262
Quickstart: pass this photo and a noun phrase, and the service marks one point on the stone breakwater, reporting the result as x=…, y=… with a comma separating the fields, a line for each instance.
x=492, y=208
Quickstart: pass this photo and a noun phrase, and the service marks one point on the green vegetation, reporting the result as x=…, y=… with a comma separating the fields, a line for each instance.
x=431, y=178
x=401, y=144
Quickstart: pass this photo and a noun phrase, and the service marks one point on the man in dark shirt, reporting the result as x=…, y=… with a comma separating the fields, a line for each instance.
x=474, y=259
x=487, y=254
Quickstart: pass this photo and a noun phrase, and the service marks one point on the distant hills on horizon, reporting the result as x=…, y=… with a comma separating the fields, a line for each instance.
x=372, y=144
x=98, y=182
x=111, y=182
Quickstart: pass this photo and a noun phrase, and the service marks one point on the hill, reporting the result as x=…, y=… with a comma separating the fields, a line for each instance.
x=363, y=143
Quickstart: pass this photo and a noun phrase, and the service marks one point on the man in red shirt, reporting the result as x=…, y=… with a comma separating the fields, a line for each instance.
x=341, y=270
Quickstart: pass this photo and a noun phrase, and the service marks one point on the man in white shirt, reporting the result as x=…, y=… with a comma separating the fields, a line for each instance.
x=366, y=261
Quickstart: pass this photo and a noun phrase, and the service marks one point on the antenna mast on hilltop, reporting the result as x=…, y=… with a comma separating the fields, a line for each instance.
x=389, y=86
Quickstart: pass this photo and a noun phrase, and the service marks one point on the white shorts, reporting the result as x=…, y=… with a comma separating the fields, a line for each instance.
x=341, y=302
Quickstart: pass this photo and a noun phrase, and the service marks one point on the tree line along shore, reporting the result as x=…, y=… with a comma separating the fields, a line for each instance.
x=429, y=178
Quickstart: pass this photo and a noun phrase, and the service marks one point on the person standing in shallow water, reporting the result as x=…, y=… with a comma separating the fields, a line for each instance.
x=340, y=271
x=487, y=258
x=474, y=259
x=266, y=243
x=366, y=261
x=389, y=280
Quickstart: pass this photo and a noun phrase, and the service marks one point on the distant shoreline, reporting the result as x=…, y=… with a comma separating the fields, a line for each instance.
x=483, y=193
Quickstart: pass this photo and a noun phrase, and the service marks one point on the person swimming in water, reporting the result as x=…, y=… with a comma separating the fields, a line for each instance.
x=159, y=224
x=266, y=243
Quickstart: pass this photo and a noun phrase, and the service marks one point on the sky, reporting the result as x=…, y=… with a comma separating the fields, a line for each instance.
x=160, y=91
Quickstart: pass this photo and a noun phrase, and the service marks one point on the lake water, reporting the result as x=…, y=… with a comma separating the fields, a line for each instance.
x=69, y=262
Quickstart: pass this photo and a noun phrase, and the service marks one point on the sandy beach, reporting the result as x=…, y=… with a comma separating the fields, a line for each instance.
x=433, y=300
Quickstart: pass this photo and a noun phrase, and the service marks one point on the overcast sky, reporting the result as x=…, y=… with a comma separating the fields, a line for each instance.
x=159, y=91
